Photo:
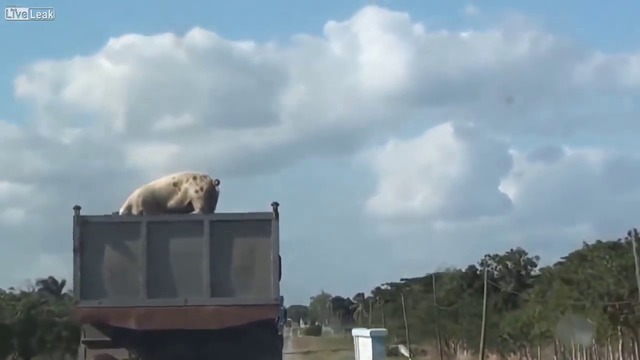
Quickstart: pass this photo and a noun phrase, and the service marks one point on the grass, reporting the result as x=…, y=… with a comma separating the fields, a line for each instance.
x=341, y=348
x=320, y=348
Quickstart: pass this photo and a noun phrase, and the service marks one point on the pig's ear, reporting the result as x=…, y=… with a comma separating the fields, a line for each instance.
x=216, y=182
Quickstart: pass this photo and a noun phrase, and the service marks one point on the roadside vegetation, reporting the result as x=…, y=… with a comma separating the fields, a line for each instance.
x=585, y=306
x=37, y=322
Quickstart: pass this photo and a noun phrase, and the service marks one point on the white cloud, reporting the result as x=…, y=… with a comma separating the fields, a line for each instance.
x=451, y=172
x=366, y=75
x=440, y=173
x=141, y=105
x=548, y=199
x=570, y=187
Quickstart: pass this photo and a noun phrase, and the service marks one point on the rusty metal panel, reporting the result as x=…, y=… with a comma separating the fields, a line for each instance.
x=166, y=318
x=169, y=260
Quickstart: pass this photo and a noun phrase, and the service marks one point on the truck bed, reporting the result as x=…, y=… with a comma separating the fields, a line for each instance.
x=176, y=271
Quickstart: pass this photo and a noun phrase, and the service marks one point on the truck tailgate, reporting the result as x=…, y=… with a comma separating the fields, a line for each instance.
x=176, y=260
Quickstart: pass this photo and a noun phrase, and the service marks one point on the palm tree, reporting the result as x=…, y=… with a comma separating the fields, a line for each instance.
x=370, y=301
x=51, y=286
x=380, y=301
x=329, y=317
x=359, y=307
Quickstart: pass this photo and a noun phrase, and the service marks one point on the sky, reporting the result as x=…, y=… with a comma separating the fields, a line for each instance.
x=399, y=137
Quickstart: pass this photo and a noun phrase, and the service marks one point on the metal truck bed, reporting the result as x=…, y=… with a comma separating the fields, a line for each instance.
x=176, y=287
x=225, y=265
x=169, y=260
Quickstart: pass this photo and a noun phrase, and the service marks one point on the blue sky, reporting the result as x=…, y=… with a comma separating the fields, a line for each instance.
x=338, y=218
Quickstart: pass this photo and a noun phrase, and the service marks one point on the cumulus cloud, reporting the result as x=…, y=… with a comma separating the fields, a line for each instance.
x=570, y=187
x=473, y=194
x=448, y=174
x=365, y=75
x=143, y=105
x=451, y=172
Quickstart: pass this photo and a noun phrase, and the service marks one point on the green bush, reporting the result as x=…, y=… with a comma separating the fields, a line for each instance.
x=312, y=330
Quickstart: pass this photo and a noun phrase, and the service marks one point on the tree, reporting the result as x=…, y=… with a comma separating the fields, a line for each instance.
x=37, y=321
x=51, y=286
x=359, y=308
x=298, y=312
x=319, y=310
x=342, y=311
x=585, y=306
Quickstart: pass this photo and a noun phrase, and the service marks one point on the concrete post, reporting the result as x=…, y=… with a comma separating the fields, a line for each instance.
x=369, y=344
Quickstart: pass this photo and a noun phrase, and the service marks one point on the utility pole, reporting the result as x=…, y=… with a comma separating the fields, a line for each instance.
x=635, y=238
x=406, y=324
x=483, y=333
x=633, y=235
x=435, y=307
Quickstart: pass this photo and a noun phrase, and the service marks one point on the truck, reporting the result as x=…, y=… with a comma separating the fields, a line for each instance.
x=179, y=286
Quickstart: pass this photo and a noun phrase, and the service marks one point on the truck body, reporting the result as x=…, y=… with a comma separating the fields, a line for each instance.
x=189, y=286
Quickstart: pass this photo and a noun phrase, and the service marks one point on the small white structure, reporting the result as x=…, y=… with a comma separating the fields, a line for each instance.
x=369, y=344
